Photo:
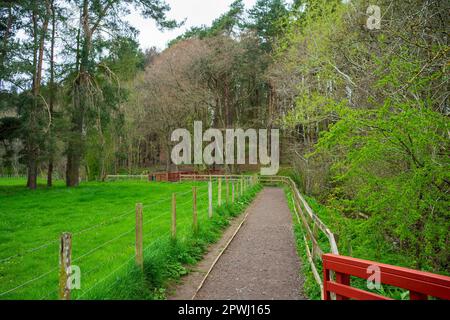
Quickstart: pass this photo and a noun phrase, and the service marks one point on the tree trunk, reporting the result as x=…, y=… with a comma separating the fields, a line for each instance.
x=52, y=96
x=33, y=148
x=76, y=144
x=74, y=150
x=32, y=173
x=50, y=173
x=226, y=102
x=30, y=143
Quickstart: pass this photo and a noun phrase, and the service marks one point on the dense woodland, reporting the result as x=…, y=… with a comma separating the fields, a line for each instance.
x=363, y=111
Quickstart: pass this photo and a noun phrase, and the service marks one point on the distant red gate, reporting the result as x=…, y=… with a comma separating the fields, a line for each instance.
x=420, y=284
x=175, y=176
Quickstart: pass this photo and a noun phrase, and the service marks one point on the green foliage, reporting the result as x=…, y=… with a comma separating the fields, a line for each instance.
x=369, y=109
x=125, y=58
x=266, y=18
x=395, y=172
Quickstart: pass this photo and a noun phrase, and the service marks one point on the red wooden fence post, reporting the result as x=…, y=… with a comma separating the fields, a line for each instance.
x=326, y=278
x=342, y=279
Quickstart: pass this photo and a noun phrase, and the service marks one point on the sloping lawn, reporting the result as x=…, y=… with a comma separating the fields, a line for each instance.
x=101, y=217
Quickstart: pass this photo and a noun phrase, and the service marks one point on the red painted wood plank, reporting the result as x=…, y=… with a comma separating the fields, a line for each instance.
x=406, y=279
x=326, y=279
x=424, y=287
x=417, y=296
x=343, y=279
x=353, y=293
x=410, y=273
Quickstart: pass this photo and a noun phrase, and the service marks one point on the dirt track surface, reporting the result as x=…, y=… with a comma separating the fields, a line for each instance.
x=261, y=262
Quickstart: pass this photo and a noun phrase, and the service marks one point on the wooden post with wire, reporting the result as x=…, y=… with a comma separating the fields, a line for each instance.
x=139, y=237
x=210, y=199
x=219, y=191
x=228, y=190
x=242, y=186
x=174, y=216
x=232, y=191
x=315, y=250
x=194, y=210
x=65, y=256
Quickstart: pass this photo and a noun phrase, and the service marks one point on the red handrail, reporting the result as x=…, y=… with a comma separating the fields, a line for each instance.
x=420, y=284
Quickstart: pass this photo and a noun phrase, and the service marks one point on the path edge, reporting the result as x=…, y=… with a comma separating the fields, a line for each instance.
x=247, y=212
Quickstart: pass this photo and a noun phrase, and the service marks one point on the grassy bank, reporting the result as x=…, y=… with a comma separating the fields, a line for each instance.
x=101, y=218
x=166, y=261
x=352, y=241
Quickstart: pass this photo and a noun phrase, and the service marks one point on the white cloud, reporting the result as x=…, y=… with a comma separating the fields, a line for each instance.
x=196, y=13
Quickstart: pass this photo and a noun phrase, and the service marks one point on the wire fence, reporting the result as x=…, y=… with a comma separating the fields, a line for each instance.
x=127, y=213
x=105, y=248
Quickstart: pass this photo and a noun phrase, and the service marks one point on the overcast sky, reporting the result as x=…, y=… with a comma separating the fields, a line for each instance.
x=196, y=13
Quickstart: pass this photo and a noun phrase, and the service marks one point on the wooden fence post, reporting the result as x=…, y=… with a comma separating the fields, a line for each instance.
x=228, y=190
x=65, y=256
x=232, y=191
x=210, y=205
x=242, y=186
x=139, y=234
x=174, y=216
x=194, y=209
x=314, y=249
x=219, y=192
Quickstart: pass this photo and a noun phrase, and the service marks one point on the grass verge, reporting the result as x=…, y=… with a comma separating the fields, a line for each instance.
x=101, y=218
x=167, y=260
x=349, y=244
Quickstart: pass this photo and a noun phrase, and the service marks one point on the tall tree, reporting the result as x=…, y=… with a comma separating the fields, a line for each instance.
x=94, y=17
x=52, y=94
x=266, y=18
x=40, y=16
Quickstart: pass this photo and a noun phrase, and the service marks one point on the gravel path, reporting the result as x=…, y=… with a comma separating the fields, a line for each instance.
x=261, y=262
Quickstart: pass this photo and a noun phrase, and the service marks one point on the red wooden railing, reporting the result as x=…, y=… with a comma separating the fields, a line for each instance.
x=420, y=284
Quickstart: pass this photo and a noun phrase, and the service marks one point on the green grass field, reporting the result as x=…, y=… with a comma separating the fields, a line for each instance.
x=101, y=218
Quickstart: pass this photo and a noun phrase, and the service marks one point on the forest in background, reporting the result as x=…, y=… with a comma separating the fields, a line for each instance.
x=363, y=111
